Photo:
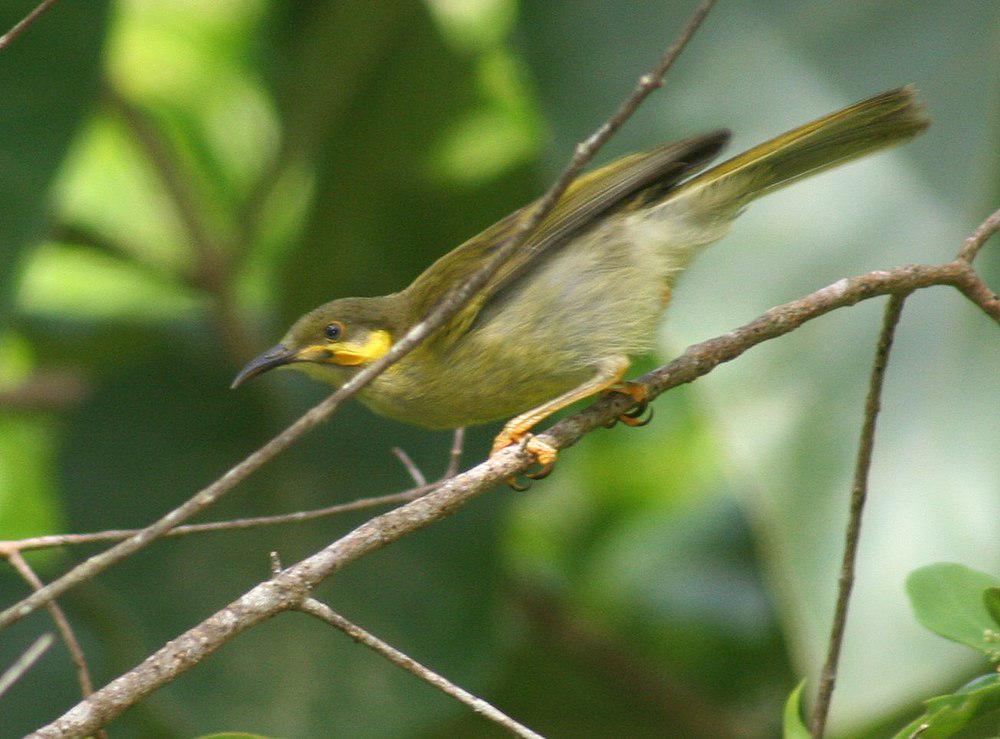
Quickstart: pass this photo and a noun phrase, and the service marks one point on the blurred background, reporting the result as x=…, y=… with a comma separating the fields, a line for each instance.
x=179, y=180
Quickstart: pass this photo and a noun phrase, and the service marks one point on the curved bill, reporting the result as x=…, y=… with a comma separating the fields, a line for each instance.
x=274, y=357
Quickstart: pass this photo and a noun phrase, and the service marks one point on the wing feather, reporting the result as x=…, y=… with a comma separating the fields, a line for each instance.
x=633, y=181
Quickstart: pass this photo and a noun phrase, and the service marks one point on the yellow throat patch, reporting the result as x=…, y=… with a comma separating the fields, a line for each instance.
x=350, y=354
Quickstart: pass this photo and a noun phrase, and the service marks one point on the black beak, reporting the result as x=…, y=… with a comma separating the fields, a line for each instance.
x=273, y=357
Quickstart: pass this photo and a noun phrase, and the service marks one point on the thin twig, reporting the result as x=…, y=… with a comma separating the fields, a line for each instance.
x=24, y=663
x=410, y=465
x=19, y=563
x=25, y=23
x=49, y=541
x=979, y=237
x=450, y=305
x=326, y=614
x=292, y=586
x=455, y=456
x=59, y=540
x=859, y=493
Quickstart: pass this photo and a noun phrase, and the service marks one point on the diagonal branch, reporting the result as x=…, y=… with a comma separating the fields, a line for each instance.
x=237, y=524
x=326, y=614
x=447, y=308
x=25, y=23
x=859, y=493
x=979, y=237
x=25, y=662
x=289, y=588
x=19, y=563
x=8, y=548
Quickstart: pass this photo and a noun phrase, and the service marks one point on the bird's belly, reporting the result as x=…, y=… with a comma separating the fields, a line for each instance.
x=600, y=296
x=483, y=390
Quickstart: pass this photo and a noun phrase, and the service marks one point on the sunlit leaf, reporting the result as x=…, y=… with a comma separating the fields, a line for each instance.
x=949, y=600
x=83, y=283
x=792, y=725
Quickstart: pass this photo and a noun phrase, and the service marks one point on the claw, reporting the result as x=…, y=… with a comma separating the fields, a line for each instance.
x=633, y=416
x=516, y=485
x=544, y=453
x=542, y=472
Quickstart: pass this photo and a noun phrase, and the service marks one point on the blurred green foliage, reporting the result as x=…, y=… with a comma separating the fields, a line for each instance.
x=970, y=713
x=674, y=581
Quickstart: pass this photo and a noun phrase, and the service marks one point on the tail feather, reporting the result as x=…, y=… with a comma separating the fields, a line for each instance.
x=876, y=123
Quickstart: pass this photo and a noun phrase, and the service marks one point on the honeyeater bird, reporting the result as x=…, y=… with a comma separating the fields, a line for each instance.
x=546, y=332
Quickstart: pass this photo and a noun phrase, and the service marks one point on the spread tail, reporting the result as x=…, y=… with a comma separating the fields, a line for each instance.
x=876, y=123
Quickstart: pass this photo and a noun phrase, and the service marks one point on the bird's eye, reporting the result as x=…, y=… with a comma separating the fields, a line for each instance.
x=334, y=331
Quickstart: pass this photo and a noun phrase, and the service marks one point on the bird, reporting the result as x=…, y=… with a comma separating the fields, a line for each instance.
x=582, y=295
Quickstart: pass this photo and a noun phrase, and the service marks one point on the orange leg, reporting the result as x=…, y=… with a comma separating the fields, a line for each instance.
x=517, y=429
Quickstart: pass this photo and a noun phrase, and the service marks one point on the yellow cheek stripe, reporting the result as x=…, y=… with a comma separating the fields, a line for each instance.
x=377, y=344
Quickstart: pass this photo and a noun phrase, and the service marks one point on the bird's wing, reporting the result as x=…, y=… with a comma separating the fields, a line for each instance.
x=632, y=181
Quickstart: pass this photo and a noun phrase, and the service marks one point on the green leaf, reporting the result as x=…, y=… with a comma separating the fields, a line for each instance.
x=972, y=711
x=991, y=599
x=233, y=735
x=792, y=724
x=947, y=598
x=49, y=79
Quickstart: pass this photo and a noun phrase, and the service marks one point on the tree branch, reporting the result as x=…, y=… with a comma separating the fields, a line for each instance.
x=288, y=589
x=415, y=473
x=19, y=563
x=455, y=457
x=448, y=307
x=859, y=493
x=58, y=540
x=24, y=663
x=979, y=237
x=25, y=23
x=324, y=613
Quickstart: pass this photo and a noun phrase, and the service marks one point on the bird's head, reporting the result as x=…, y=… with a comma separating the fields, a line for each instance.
x=333, y=341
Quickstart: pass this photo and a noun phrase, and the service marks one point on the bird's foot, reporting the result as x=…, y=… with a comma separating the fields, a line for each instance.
x=544, y=453
x=634, y=415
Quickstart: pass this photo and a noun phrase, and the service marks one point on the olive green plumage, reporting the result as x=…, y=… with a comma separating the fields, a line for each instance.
x=608, y=256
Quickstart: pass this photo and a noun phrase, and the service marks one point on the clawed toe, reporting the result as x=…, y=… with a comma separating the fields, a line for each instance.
x=545, y=454
x=633, y=416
